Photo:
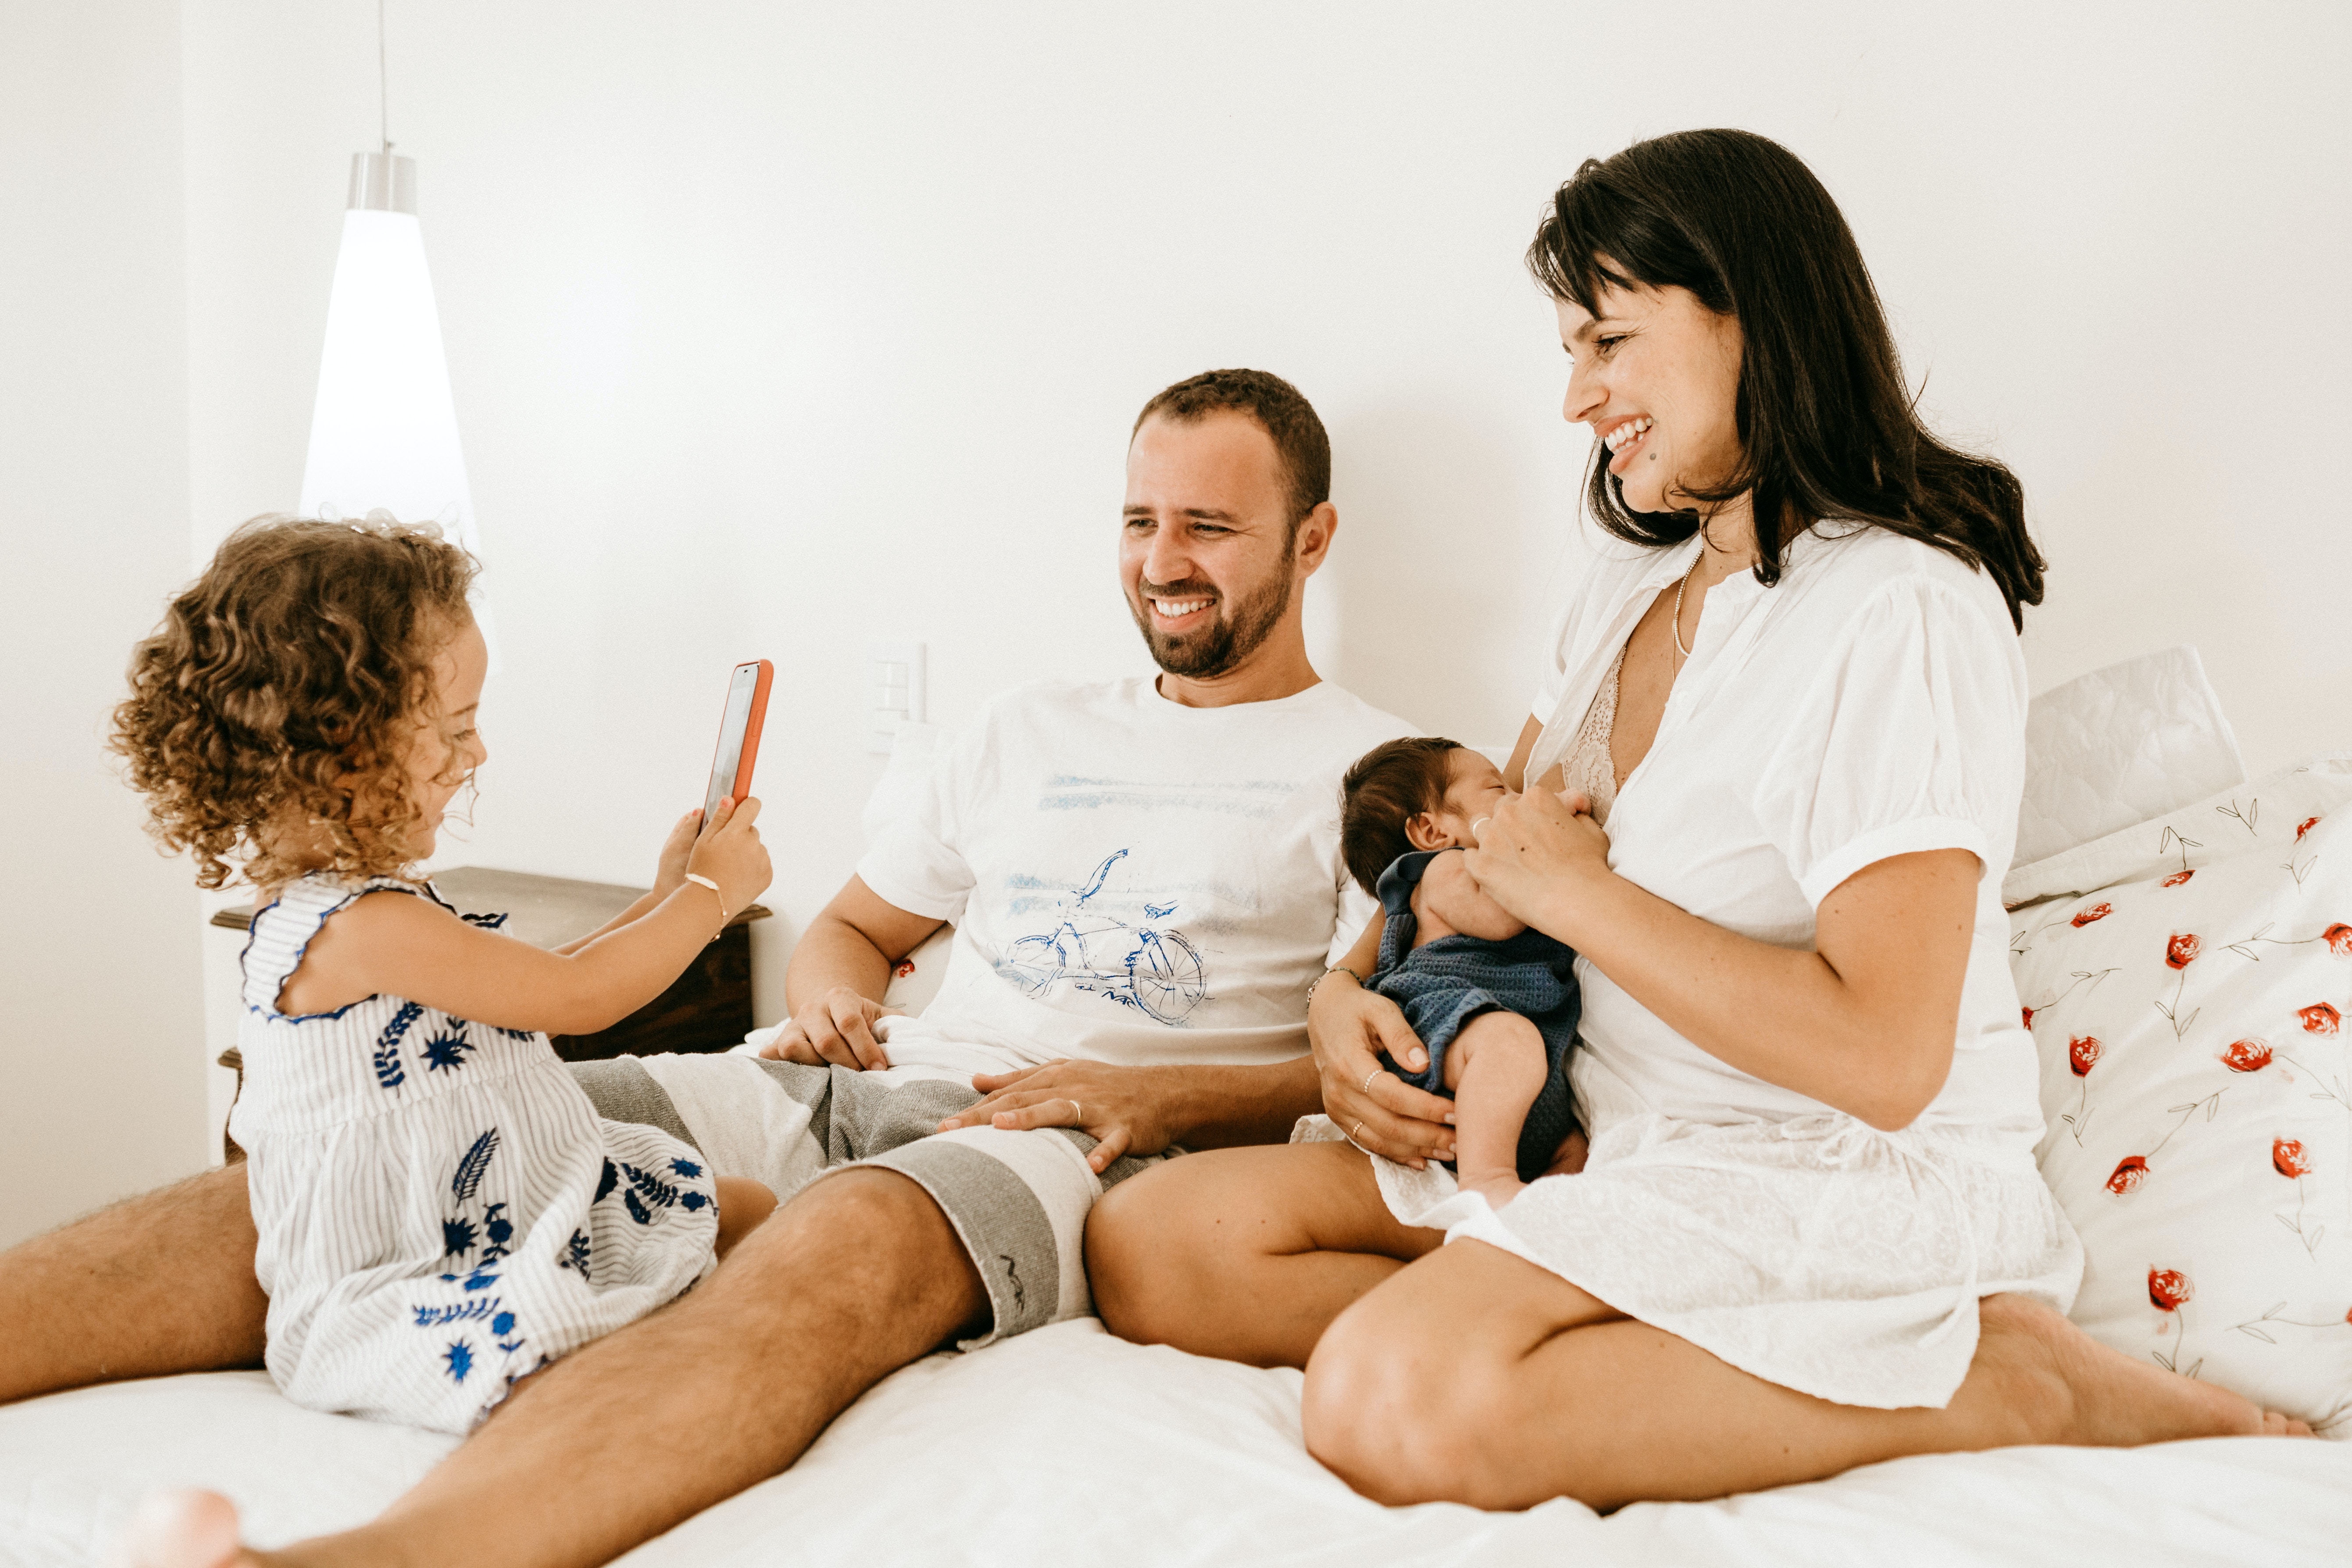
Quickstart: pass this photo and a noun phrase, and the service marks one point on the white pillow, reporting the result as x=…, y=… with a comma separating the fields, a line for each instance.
x=2118, y=746
x=2194, y=1079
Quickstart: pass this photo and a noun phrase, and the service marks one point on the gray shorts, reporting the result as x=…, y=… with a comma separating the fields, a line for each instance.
x=1017, y=1200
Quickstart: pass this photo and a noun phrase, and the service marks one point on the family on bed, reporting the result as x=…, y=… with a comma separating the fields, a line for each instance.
x=1648, y=1118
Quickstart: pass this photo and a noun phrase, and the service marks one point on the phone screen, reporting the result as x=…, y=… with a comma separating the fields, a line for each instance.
x=740, y=689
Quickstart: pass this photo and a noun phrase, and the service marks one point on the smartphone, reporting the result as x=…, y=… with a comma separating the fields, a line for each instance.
x=738, y=735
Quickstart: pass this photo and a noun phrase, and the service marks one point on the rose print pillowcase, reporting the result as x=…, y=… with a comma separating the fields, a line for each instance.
x=2193, y=1045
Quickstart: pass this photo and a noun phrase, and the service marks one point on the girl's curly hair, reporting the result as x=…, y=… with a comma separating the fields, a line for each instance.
x=294, y=666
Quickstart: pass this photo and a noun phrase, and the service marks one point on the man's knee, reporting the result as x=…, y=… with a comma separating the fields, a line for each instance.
x=871, y=1235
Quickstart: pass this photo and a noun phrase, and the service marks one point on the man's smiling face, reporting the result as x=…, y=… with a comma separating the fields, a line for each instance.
x=1205, y=551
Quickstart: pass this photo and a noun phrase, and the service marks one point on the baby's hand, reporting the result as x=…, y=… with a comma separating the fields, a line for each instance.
x=671, y=874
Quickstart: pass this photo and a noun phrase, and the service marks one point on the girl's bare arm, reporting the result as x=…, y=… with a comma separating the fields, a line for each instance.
x=407, y=946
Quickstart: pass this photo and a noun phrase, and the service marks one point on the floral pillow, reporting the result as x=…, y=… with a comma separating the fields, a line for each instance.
x=2190, y=1021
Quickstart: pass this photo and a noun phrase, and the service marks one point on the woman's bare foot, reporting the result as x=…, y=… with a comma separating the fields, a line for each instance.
x=2069, y=1388
x=184, y=1529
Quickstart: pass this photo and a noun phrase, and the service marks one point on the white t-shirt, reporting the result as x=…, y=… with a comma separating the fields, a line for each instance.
x=1871, y=703
x=1131, y=880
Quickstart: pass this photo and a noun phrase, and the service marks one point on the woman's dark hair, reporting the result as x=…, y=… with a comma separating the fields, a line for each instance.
x=1385, y=788
x=1828, y=428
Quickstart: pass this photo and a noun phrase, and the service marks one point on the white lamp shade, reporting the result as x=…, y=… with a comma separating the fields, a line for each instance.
x=383, y=431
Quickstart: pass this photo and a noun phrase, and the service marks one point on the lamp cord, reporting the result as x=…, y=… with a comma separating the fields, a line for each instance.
x=382, y=81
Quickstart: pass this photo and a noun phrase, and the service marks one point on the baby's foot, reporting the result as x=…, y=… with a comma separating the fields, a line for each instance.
x=184, y=1530
x=1497, y=1187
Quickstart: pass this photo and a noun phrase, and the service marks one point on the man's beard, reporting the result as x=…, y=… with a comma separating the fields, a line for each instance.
x=1227, y=641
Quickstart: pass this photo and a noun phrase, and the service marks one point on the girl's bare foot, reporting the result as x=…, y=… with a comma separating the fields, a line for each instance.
x=184, y=1530
x=2066, y=1387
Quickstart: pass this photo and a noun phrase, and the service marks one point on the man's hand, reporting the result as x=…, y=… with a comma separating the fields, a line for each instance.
x=1125, y=1109
x=835, y=1029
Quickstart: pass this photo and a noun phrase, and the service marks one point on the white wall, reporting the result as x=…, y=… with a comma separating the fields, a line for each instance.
x=101, y=1086
x=774, y=328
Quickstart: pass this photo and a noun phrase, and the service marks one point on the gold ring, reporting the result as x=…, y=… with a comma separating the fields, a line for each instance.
x=1358, y=1132
x=1367, y=1090
x=1077, y=1112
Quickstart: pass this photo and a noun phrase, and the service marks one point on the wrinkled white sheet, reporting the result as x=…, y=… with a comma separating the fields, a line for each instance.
x=1068, y=1446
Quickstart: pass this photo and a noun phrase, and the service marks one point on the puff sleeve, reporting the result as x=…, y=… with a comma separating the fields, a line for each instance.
x=1911, y=738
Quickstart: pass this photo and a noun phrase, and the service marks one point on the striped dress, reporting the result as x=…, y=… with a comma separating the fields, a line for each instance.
x=441, y=1210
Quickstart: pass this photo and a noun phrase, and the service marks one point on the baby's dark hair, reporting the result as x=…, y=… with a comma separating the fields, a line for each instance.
x=297, y=661
x=1387, y=787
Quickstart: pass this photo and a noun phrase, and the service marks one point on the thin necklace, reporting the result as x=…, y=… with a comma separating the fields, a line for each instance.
x=1678, y=607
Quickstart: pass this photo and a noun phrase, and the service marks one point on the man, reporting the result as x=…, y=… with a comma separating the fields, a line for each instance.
x=1145, y=878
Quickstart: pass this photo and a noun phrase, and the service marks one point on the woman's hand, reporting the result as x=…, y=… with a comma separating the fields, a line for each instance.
x=1535, y=852
x=1123, y=1108
x=1347, y=1027
x=671, y=874
x=834, y=1028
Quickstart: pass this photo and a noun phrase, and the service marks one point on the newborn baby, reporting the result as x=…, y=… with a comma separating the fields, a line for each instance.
x=1494, y=1003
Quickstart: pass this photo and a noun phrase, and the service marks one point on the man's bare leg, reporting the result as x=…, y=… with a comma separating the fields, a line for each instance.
x=853, y=1280
x=157, y=1284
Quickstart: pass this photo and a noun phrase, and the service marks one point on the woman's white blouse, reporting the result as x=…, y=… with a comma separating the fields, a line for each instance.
x=1871, y=703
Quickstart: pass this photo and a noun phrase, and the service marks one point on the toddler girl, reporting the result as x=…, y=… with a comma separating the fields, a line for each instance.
x=441, y=1211
x=1494, y=1003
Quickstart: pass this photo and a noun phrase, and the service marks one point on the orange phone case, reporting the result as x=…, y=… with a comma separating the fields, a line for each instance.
x=750, y=754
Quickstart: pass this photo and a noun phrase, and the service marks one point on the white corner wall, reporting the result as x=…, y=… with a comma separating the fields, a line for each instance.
x=775, y=329
x=100, y=1040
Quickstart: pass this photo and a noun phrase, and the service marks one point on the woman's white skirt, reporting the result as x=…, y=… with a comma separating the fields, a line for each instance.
x=1820, y=1254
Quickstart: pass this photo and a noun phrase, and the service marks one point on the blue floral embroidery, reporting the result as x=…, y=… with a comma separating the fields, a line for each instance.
x=606, y=1183
x=637, y=1211
x=445, y=1051
x=503, y=1324
x=575, y=1254
x=685, y=1168
x=461, y=1357
x=470, y=1170
x=651, y=1188
x=389, y=1073
x=460, y=1312
x=456, y=1237
x=690, y=1202
x=487, y=923
x=481, y=1279
x=496, y=1225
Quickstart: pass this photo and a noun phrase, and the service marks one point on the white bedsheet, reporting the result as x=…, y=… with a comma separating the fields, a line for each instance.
x=1068, y=1446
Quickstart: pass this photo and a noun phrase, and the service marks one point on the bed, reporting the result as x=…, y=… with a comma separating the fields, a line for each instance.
x=1069, y=1445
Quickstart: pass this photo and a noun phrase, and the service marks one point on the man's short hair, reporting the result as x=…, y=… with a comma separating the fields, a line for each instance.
x=1387, y=787
x=1280, y=409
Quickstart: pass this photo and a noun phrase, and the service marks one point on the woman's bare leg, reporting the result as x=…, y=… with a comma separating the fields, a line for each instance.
x=1244, y=1253
x=156, y=1284
x=1477, y=1377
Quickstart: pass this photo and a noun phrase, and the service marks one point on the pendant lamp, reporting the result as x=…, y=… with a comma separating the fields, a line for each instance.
x=383, y=430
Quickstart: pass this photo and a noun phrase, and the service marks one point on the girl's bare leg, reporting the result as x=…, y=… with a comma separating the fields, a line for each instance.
x=156, y=1284
x=1495, y=1068
x=743, y=1204
x=1244, y=1253
x=1474, y=1376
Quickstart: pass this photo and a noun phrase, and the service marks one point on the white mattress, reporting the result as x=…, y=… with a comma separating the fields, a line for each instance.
x=1068, y=1446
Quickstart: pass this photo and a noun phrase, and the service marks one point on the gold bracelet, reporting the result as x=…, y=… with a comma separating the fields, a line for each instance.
x=707, y=882
x=1335, y=969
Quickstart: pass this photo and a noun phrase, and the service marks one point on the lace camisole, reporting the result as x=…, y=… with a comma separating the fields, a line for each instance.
x=1589, y=766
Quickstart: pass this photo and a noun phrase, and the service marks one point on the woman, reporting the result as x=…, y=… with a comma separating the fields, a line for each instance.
x=1810, y=1233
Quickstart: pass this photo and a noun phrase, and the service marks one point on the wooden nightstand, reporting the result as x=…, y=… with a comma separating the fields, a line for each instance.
x=708, y=1008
